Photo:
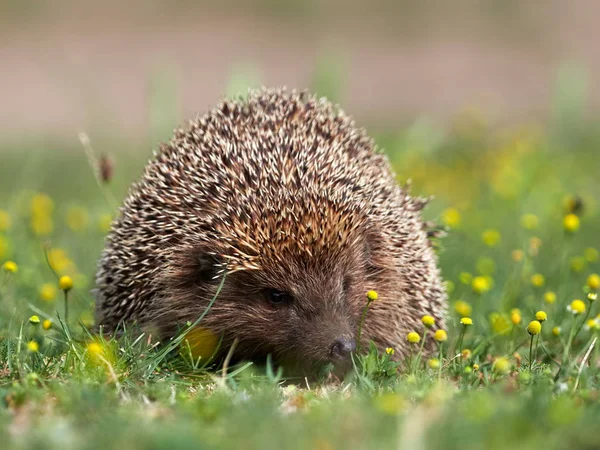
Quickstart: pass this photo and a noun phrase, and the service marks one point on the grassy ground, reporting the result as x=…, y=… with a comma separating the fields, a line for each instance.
x=521, y=205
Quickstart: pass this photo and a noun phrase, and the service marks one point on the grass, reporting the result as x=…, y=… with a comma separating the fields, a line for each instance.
x=522, y=212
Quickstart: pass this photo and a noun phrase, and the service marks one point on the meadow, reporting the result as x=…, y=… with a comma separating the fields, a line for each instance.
x=517, y=365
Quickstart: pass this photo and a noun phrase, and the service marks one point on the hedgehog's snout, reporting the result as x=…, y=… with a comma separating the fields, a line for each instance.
x=342, y=348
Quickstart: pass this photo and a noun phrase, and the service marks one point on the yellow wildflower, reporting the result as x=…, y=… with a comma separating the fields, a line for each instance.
x=577, y=307
x=481, y=285
x=486, y=266
x=41, y=204
x=465, y=277
x=556, y=331
x=550, y=297
x=591, y=324
x=491, y=237
x=440, y=336
x=466, y=353
x=202, y=343
x=42, y=225
x=463, y=308
x=48, y=292
x=372, y=296
x=3, y=247
x=593, y=281
x=433, y=363
x=10, y=267
x=33, y=347
x=541, y=316
x=451, y=217
x=571, y=223
x=502, y=366
x=475, y=367
x=47, y=324
x=590, y=254
x=65, y=283
x=577, y=263
x=529, y=221
x=538, y=280
x=517, y=255
x=428, y=321
x=413, y=337
x=34, y=320
x=534, y=327
x=390, y=351
x=515, y=317
x=592, y=296
x=466, y=321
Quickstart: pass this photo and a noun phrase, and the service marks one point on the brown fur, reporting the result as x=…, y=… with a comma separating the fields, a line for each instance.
x=280, y=191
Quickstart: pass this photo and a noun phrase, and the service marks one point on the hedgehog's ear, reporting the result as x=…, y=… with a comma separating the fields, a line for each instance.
x=208, y=267
x=194, y=266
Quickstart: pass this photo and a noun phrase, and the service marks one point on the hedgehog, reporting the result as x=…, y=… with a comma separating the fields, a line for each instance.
x=280, y=213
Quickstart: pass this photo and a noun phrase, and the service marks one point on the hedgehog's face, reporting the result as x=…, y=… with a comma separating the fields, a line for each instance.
x=302, y=309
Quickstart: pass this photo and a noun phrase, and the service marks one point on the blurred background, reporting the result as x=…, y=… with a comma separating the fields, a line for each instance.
x=125, y=68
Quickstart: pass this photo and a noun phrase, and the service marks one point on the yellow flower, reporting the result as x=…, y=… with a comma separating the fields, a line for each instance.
x=5, y=221
x=466, y=354
x=47, y=324
x=529, y=221
x=591, y=324
x=451, y=217
x=515, y=317
x=104, y=223
x=466, y=321
x=590, y=254
x=59, y=260
x=517, y=255
x=41, y=204
x=202, y=343
x=534, y=327
x=593, y=281
x=577, y=307
x=571, y=223
x=550, y=297
x=65, y=283
x=486, y=266
x=556, y=331
x=390, y=351
x=538, y=280
x=48, y=292
x=541, y=316
x=481, y=285
x=10, y=267
x=502, y=365
x=33, y=346
x=372, y=296
x=491, y=237
x=428, y=321
x=34, y=320
x=577, y=263
x=463, y=308
x=475, y=367
x=500, y=323
x=440, y=336
x=433, y=363
x=413, y=337
x=42, y=225
x=465, y=277
x=77, y=218
x=592, y=296
x=94, y=349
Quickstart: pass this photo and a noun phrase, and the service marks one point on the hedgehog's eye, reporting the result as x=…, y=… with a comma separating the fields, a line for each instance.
x=277, y=297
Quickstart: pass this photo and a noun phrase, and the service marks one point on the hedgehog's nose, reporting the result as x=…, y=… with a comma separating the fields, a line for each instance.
x=342, y=347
